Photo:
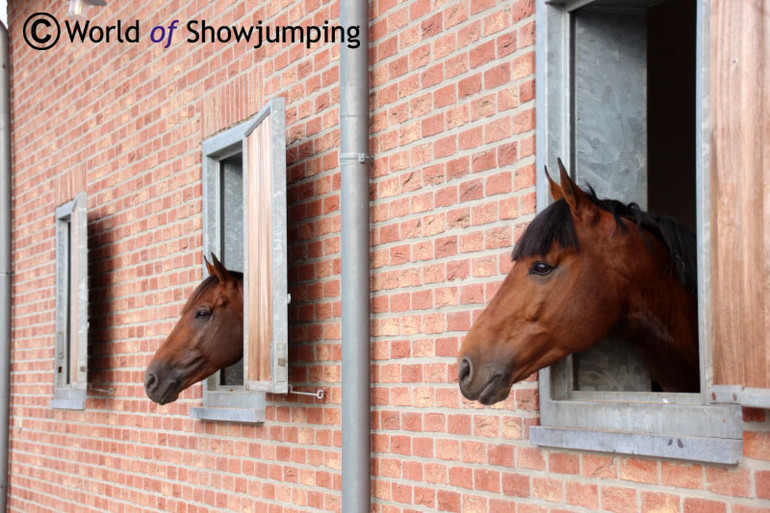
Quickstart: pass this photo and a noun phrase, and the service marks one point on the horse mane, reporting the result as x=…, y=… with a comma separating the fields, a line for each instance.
x=555, y=224
x=204, y=286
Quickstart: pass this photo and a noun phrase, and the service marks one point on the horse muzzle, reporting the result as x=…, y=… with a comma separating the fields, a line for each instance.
x=486, y=385
x=160, y=383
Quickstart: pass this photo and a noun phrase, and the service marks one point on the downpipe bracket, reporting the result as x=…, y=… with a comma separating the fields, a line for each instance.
x=361, y=158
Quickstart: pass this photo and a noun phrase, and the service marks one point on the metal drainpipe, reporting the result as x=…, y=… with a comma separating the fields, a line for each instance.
x=5, y=260
x=354, y=199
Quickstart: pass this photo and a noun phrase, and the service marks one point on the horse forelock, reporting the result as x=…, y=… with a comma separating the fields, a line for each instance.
x=555, y=223
x=552, y=224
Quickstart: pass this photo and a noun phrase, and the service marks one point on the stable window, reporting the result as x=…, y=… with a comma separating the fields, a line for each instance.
x=244, y=224
x=71, y=345
x=621, y=96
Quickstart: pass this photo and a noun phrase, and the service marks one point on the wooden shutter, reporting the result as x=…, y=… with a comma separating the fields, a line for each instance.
x=265, y=250
x=740, y=200
x=71, y=346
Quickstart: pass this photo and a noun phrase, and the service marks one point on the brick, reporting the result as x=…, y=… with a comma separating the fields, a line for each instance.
x=522, y=9
x=762, y=479
x=471, y=190
x=502, y=506
x=444, y=96
x=446, y=197
x=496, y=22
x=486, y=480
x=433, y=125
x=469, y=86
x=481, y=54
x=727, y=481
x=484, y=107
x=580, y=494
x=617, y=499
x=756, y=445
x=512, y=429
x=546, y=489
x=445, y=247
x=660, y=502
x=483, y=161
x=444, y=44
x=516, y=484
x=530, y=458
x=681, y=475
x=501, y=455
x=523, y=66
x=642, y=471
x=435, y=473
x=471, y=242
x=497, y=130
x=472, y=294
x=693, y=505
x=423, y=447
x=498, y=76
x=448, y=450
x=445, y=147
x=471, y=138
x=469, y=34
x=483, y=214
x=481, y=5
x=474, y=504
x=564, y=463
x=448, y=500
x=738, y=508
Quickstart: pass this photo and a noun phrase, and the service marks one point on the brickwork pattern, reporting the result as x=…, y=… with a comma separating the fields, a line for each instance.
x=452, y=187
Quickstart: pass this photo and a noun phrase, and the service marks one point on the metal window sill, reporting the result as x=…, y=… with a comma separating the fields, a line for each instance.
x=68, y=404
x=724, y=451
x=246, y=415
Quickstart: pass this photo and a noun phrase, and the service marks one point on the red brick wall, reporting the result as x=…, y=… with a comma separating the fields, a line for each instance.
x=452, y=187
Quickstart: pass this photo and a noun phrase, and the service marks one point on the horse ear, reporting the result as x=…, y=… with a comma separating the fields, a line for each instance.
x=208, y=265
x=577, y=200
x=217, y=269
x=556, y=193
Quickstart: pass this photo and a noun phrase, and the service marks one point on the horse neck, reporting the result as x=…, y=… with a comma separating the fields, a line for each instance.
x=662, y=319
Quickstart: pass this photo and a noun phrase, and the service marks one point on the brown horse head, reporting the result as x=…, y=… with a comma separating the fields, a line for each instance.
x=207, y=337
x=583, y=272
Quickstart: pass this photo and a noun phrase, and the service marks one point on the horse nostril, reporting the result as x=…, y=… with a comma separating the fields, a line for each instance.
x=150, y=380
x=464, y=370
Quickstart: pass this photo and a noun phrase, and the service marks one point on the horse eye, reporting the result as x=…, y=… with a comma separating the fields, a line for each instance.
x=203, y=313
x=540, y=268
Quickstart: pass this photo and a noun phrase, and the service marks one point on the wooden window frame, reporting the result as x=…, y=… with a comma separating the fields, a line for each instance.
x=682, y=426
x=246, y=403
x=71, y=316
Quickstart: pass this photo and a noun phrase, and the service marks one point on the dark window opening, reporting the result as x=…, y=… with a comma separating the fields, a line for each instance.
x=231, y=234
x=671, y=39
x=633, y=111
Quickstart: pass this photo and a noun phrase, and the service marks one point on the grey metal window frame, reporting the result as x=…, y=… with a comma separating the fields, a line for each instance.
x=680, y=426
x=247, y=402
x=71, y=216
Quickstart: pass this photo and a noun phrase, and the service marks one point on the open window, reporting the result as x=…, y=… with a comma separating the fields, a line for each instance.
x=71, y=345
x=244, y=218
x=621, y=97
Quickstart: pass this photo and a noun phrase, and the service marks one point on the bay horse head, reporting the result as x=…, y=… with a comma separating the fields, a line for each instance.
x=586, y=269
x=207, y=337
